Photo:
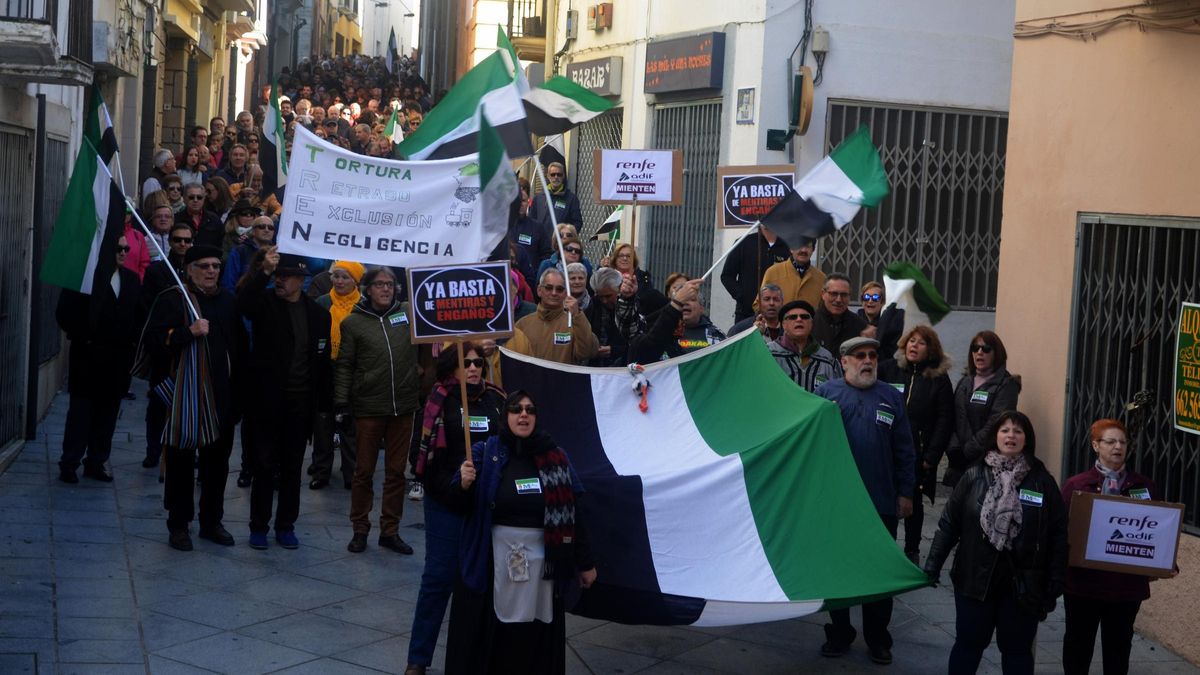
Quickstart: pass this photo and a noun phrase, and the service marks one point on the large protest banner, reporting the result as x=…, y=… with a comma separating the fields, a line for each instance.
x=340, y=205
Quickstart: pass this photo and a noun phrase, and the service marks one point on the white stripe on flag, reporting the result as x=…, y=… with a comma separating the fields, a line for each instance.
x=832, y=191
x=721, y=613
x=101, y=193
x=684, y=531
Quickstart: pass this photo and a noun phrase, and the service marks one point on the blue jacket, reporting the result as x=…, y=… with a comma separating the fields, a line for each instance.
x=236, y=264
x=475, y=549
x=880, y=439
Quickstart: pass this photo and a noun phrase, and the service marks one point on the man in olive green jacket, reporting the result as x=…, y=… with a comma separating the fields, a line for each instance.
x=375, y=378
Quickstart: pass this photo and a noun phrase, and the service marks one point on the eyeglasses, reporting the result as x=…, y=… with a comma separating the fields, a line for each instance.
x=264, y=227
x=624, y=256
x=837, y=294
x=865, y=356
x=181, y=240
x=478, y=363
x=986, y=349
x=798, y=317
x=207, y=266
x=573, y=249
x=122, y=249
x=554, y=289
x=383, y=284
x=517, y=409
x=872, y=297
x=195, y=198
x=554, y=175
x=175, y=188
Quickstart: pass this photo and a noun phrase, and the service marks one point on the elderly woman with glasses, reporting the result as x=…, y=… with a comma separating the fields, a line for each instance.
x=982, y=394
x=523, y=550
x=1096, y=599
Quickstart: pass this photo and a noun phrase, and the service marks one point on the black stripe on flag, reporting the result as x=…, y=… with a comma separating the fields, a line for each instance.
x=795, y=218
x=612, y=510
x=515, y=135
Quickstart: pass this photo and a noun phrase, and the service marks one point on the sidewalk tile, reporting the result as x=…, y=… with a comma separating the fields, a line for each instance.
x=662, y=643
x=153, y=589
x=385, y=655
x=17, y=663
x=161, y=665
x=312, y=633
x=85, y=518
x=23, y=516
x=604, y=660
x=88, y=628
x=202, y=568
x=102, y=669
x=83, y=588
x=366, y=610
x=38, y=623
x=739, y=656
x=72, y=568
x=235, y=654
x=297, y=592
x=160, y=631
x=383, y=569
x=332, y=667
x=220, y=609
x=100, y=651
x=112, y=608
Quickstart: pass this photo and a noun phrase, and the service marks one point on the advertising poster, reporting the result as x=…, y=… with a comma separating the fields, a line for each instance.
x=1187, y=370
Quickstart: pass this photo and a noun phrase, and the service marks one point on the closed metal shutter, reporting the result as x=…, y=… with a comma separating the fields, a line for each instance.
x=680, y=238
x=16, y=213
x=603, y=131
x=946, y=170
x=1131, y=274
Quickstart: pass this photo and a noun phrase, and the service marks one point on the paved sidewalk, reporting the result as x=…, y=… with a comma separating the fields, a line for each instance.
x=89, y=585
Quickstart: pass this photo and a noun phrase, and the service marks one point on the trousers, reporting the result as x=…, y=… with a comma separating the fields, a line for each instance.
x=89, y=430
x=443, y=529
x=1115, y=620
x=876, y=615
x=178, y=495
x=976, y=620
x=279, y=446
x=396, y=432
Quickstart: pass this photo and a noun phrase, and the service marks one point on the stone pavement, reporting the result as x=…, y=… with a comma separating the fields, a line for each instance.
x=89, y=585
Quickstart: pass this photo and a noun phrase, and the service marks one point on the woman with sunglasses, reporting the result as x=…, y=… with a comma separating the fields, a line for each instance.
x=440, y=453
x=574, y=251
x=983, y=393
x=522, y=550
x=871, y=295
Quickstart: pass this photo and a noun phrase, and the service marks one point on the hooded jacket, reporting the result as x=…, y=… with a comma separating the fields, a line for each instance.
x=375, y=373
x=929, y=400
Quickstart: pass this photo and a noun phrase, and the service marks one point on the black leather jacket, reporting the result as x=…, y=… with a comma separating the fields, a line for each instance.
x=1039, y=552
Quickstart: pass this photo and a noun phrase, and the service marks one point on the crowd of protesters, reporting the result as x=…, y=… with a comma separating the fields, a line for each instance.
x=292, y=351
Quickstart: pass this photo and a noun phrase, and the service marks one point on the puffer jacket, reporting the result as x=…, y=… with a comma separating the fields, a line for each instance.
x=974, y=411
x=929, y=400
x=375, y=374
x=1039, y=553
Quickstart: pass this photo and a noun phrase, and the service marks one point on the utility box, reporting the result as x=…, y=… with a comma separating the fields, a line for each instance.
x=600, y=16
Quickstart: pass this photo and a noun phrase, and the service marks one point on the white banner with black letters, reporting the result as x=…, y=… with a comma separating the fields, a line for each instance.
x=343, y=206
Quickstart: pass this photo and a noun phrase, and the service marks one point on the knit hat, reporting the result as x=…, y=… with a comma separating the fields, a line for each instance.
x=355, y=270
x=201, y=252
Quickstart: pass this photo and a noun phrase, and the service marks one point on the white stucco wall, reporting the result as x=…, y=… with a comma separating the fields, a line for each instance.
x=924, y=52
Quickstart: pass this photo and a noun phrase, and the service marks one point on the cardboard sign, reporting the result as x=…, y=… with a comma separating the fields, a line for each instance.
x=653, y=177
x=460, y=301
x=1187, y=369
x=747, y=193
x=1119, y=534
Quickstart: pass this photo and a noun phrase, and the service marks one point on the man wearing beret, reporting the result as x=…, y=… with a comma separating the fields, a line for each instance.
x=290, y=380
x=877, y=428
x=170, y=331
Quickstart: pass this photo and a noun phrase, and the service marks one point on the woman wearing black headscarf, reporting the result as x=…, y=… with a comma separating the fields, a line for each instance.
x=521, y=550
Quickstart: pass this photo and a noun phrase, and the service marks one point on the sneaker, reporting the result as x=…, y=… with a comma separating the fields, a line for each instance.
x=358, y=543
x=395, y=543
x=180, y=540
x=258, y=541
x=417, y=492
x=881, y=655
x=287, y=540
x=834, y=650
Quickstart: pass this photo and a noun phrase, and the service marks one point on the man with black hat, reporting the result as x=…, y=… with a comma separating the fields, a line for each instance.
x=807, y=363
x=262, y=235
x=797, y=277
x=170, y=331
x=290, y=380
x=876, y=423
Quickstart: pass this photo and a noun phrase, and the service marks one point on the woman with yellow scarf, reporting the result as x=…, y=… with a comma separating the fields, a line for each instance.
x=346, y=275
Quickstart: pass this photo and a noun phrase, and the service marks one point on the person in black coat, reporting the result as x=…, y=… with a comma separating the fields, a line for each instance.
x=563, y=200
x=102, y=328
x=290, y=380
x=919, y=371
x=158, y=279
x=206, y=224
x=170, y=331
x=986, y=390
x=1007, y=519
x=745, y=266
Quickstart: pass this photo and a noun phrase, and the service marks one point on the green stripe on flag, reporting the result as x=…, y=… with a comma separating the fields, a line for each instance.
x=857, y=157
x=67, y=260
x=459, y=105
x=586, y=99
x=817, y=524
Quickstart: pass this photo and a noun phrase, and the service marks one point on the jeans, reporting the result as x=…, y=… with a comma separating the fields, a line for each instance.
x=876, y=615
x=443, y=529
x=395, y=432
x=279, y=446
x=89, y=430
x=1114, y=618
x=974, y=622
x=178, y=494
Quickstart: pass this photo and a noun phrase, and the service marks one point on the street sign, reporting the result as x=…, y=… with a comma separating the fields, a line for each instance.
x=747, y=193
x=1187, y=369
x=459, y=302
x=601, y=76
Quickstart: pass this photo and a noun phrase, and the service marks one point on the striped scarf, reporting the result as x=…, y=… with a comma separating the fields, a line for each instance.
x=559, y=526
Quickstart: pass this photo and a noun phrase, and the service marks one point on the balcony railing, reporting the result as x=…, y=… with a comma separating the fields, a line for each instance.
x=41, y=11
x=527, y=18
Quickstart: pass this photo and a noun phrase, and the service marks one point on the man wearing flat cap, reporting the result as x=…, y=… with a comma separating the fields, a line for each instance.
x=290, y=380
x=880, y=439
x=170, y=331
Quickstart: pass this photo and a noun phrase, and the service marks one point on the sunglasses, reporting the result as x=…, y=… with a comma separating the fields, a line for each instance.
x=174, y=188
x=181, y=240
x=264, y=227
x=477, y=362
x=986, y=349
x=865, y=356
x=798, y=317
x=555, y=175
x=554, y=289
x=517, y=409
x=573, y=249
x=872, y=297
x=207, y=266
x=195, y=198
x=122, y=249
